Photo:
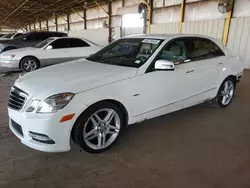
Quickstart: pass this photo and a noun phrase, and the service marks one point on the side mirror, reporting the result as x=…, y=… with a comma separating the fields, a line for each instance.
x=25, y=39
x=164, y=65
x=50, y=47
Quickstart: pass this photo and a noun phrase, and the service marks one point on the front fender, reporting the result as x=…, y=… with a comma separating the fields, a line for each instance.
x=109, y=93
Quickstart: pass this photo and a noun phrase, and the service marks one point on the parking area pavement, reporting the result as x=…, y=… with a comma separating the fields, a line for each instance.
x=199, y=147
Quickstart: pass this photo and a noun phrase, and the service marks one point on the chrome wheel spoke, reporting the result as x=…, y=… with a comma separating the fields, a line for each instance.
x=101, y=140
x=112, y=132
x=114, y=128
x=99, y=120
x=224, y=101
x=109, y=116
x=95, y=123
x=91, y=134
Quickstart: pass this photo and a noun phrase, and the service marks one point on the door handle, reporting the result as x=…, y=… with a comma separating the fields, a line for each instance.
x=189, y=71
x=221, y=63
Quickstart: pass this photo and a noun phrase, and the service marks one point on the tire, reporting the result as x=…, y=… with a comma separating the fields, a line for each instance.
x=95, y=135
x=219, y=100
x=29, y=64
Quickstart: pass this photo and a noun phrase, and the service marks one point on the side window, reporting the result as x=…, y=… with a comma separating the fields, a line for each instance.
x=17, y=35
x=175, y=51
x=75, y=43
x=29, y=37
x=42, y=36
x=202, y=49
x=60, y=35
x=60, y=43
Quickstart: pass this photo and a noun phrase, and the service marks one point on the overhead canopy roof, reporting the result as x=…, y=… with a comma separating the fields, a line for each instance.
x=18, y=13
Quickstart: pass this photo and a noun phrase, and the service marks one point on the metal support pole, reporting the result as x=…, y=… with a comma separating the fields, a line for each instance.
x=40, y=25
x=182, y=16
x=148, y=15
x=47, y=25
x=68, y=22
x=56, y=23
x=85, y=18
x=228, y=22
x=110, y=20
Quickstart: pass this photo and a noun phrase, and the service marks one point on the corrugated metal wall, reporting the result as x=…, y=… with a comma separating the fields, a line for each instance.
x=239, y=38
x=131, y=31
x=167, y=28
x=99, y=36
x=212, y=28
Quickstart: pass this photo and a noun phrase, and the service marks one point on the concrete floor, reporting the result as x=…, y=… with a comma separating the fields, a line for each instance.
x=200, y=147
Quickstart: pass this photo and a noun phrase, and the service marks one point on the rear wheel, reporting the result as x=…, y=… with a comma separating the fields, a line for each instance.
x=225, y=94
x=29, y=64
x=99, y=127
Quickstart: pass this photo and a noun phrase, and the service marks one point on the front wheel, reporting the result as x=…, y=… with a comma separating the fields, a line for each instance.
x=29, y=64
x=99, y=127
x=225, y=94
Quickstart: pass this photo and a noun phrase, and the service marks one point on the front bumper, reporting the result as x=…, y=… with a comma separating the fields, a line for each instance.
x=45, y=124
x=9, y=64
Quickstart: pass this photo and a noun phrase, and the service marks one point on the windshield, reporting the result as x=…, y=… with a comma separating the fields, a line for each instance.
x=130, y=52
x=8, y=36
x=44, y=43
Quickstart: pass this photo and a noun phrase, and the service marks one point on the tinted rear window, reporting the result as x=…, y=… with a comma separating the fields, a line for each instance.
x=60, y=34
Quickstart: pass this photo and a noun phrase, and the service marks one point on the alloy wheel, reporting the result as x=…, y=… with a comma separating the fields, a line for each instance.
x=30, y=65
x=227, y=92
x=102, y=129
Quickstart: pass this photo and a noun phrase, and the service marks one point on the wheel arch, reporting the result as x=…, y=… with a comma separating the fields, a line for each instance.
x=222, y=79
x=39, y=63
x=116, y=102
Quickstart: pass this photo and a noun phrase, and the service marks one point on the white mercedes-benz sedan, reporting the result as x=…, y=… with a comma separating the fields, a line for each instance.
x=131, y=80
x=48, y=52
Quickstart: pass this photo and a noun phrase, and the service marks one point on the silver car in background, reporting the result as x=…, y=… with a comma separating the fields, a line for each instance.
x=48, y=52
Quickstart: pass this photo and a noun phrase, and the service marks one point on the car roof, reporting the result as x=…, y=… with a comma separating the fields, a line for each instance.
x=66, y=38
x=167, y=36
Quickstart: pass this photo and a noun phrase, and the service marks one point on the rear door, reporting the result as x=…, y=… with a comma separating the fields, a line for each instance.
x=58, y=54
x=79, y=48
x=41, y=36
x=203, y=59
x=27, y=41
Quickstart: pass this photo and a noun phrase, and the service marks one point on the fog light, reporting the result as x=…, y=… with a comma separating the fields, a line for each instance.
x=41, y=138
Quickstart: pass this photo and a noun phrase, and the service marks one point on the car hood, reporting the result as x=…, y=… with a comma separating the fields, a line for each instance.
x=20, y=50
x=1, y=39
x=76, y=77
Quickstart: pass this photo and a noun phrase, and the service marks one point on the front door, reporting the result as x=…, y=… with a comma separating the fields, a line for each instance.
x=159, y=91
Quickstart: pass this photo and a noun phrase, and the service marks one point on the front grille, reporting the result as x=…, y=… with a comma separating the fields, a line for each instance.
x=17, y=127
x=17, y=98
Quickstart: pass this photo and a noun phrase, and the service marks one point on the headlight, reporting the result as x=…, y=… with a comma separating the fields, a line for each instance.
x=7, y=56
x=51, y=104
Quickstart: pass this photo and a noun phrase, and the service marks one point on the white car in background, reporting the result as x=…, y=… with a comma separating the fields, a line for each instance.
x=129, y=81
x=10, y=36
x=48, y=52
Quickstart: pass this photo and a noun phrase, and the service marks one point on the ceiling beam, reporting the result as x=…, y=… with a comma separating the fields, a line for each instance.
x=58, y=11
x=16, y=9
x=35, y=3
x=51, y=4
